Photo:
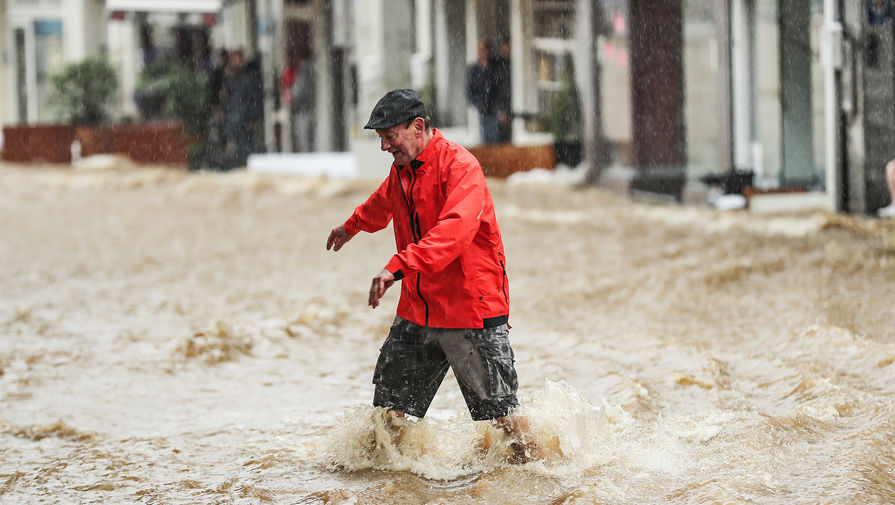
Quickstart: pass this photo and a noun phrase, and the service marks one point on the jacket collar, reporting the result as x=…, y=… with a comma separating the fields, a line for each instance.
x=428, y=153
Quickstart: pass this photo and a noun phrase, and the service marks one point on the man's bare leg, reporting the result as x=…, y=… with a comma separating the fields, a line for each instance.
x=524, y=446
x=392, y=429
x=394, y=421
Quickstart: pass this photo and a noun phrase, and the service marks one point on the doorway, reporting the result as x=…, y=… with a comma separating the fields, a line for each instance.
x=777, y=88
x=795, y=93
x=298, y=86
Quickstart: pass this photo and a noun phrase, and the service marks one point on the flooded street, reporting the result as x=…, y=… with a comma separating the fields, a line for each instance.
x=173, y=337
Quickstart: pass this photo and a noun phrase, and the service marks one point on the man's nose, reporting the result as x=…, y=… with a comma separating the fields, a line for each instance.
x=384, y=145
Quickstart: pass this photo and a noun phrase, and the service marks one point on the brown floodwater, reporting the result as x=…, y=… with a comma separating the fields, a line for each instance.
x=172, y=337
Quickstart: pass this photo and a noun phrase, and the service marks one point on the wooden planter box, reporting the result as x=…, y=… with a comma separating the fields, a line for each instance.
x=95, y=139
x=157, y=142
x=162, y=142
x=502, y=160
x=47, y=143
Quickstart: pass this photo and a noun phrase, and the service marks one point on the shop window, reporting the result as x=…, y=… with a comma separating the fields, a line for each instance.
x=702, y=82
x=48, y=58
x=554, y=19
x=554, y=29
x=613, y=49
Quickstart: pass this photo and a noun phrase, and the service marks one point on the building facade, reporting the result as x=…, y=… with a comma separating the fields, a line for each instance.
x=38, y=36
x=800, y=92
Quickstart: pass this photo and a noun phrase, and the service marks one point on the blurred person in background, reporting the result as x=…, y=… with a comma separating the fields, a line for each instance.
x=148, y=49
x=238, y=104
x=255, y=96
x=889, y=210
x=303, y=92
x=216, y=78
x=454, y=305
x=480, y=91
x=503, y=92
x=216, y=96
x=287, y=77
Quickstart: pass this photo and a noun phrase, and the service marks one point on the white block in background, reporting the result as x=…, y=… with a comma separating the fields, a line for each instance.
x=337, y=165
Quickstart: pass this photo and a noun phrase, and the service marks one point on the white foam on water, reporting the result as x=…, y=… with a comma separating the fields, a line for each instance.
x=702, y=427
x=573, y=434
x=364, y=439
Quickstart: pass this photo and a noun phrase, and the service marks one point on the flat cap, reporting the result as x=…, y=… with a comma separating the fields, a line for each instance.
x=397, y=106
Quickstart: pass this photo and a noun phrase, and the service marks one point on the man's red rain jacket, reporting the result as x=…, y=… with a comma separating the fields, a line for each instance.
x=450, y=253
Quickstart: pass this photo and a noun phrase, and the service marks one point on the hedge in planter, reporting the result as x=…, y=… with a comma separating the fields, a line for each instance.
x=82, y=91
x=169, y=90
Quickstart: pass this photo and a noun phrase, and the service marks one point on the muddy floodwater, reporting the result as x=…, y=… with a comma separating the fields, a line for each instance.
x=171, y=337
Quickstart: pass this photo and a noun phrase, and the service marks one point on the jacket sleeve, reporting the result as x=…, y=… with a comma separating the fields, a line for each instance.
x=457, y=224
x=372, y=215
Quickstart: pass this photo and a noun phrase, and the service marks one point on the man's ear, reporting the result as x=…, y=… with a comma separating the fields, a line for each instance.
x=419, y=124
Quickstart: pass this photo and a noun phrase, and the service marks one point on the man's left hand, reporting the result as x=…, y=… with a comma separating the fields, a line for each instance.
x=381, y=282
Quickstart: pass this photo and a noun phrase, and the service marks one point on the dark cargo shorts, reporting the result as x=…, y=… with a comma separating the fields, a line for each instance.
x=414, y=360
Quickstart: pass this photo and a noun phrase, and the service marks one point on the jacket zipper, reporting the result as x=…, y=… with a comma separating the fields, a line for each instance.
x=415, y=230
x=504, y=285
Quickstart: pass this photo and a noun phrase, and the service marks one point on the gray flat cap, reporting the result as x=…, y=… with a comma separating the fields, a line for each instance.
x=397, y=106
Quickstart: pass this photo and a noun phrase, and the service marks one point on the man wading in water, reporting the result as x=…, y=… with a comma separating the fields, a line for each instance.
x=454, y=303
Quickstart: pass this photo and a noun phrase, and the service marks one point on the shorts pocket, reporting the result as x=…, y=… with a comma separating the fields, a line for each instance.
x=497, y=356
x=502, y=380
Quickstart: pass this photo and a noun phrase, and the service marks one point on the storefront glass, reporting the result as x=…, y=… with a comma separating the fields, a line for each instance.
x=767, y=118
x=48, y=60
x=615, y=81
x=701, y=88
x=817, y=90
x=553, y=29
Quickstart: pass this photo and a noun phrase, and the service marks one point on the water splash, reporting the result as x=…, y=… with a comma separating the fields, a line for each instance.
x=572, y=435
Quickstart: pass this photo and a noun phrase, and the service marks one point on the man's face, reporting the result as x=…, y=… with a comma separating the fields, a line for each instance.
x=237, y=58
x=404, y=143
x=505, y=50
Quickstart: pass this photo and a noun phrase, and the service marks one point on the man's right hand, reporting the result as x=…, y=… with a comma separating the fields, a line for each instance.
x=337, y=238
